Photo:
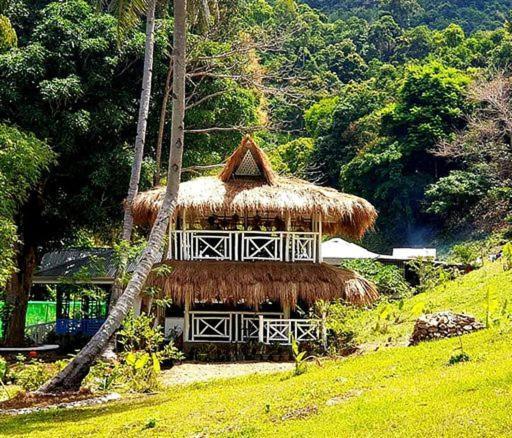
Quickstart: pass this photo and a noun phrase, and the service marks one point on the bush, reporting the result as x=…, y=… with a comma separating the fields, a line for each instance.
x=389, y=279
x=31, y=375
x=338, y=320
x=430, y=275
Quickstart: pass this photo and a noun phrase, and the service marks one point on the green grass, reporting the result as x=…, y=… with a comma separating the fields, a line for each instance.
x=388, y=324
x=399, y=391
x=403, y=391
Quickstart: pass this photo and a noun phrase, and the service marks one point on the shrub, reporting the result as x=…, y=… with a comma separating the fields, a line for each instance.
x=338, y=320
x=31, y=375
x=429, y=274
x=507, y=256
x=389, y=279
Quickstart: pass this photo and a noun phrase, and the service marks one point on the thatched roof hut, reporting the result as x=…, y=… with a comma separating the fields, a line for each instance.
x=247, y=184
x=255, y=282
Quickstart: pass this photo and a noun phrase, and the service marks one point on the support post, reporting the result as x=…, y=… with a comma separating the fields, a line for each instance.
x=261, y=328
x=319, y=252
x=186, y=321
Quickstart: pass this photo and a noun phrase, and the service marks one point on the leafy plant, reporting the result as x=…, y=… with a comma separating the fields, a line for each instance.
x=389, y=279
x=32, y=374
x=138, y=333
x=429, y=274
x=3, y=374
x=299, y=358
x=460, y=355
x=506, y=255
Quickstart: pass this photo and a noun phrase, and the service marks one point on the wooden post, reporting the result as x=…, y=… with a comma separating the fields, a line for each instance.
x=261, y=327
x=286, y=311
x=319, y=252
x=186, y=322
x=287, y=227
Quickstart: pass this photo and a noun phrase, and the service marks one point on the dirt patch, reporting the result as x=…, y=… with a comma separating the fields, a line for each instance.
x=344, y=397
x=30, y=400
x=300, y=414
x=200, y=372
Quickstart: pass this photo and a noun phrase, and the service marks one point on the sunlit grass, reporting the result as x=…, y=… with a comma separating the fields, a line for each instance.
x=401, y=391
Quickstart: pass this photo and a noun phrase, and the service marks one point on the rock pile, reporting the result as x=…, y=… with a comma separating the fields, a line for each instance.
x=443, y=325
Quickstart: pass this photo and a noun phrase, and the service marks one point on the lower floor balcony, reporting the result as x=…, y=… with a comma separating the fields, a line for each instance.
x=233, y=327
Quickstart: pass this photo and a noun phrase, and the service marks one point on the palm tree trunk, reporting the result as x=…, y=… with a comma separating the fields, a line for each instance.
x=161, y=127
x=72, y=375
x=142, y=122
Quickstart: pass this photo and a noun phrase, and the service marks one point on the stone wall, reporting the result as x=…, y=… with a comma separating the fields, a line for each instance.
x=443, y=325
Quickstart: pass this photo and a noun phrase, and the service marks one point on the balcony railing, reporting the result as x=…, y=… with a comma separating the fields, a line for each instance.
x=267, y=328
x=281, y=246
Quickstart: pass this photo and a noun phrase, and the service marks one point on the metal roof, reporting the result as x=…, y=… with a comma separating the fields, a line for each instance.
x=95, y=265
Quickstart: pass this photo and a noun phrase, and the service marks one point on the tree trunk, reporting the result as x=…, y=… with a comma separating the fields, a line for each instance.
x=18, y=286
x=72, y=375
x=17, y=295
x=142, y=122
x=161, y=127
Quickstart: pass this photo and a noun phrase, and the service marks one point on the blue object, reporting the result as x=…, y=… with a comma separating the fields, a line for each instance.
x=88, y=326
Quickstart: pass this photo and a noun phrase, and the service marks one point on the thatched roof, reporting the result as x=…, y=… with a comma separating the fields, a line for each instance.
x=259, y=157
x=256, y=282
x=268, y=194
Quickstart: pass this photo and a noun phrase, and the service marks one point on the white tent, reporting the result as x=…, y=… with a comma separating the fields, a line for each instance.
x=336, y=249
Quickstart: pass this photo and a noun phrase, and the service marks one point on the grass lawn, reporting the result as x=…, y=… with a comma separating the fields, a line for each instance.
x=467, y=294
x=399, y=391
x=402, y=391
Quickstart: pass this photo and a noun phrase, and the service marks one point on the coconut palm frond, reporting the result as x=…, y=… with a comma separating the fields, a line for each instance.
x=128, y=13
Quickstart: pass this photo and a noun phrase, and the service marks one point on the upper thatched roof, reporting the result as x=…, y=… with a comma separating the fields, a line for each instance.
x=257, y=282
x=248, y=184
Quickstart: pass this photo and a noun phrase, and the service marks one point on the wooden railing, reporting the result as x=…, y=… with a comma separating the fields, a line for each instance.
x=244, y=246
x=230, y=327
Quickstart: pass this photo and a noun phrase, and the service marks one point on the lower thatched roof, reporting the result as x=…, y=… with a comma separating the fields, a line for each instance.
x=256, y=282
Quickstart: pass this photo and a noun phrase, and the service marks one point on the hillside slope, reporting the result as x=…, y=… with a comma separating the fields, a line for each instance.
x=471, y=15
x=399, y=391
x=484, y=293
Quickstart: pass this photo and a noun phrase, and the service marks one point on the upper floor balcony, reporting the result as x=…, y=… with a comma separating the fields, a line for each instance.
x=282, y=246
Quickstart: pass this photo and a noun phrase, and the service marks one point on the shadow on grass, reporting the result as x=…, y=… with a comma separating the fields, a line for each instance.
x=54, y=419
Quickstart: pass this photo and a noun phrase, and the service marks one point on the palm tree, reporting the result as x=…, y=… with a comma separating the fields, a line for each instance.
x=128, y=13
x=70, y=378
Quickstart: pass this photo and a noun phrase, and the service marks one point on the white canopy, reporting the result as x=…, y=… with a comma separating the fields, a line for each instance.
x=341, y=249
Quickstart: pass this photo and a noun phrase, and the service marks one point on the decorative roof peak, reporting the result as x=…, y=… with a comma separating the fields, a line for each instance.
x=248, y=161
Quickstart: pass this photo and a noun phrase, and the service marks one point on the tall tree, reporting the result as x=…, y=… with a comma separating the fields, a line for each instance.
x=71, y=376
x=128, y=9
x=70, y=83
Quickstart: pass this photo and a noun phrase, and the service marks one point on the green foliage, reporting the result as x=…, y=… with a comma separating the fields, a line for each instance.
x=389, y=279
x=293, y=157
x=466, y=253
x=430, y=275
x=299, y=358
x=507, y=256
x=458, y=191
x=138, y=333
x=140, y=364
x=8, y=38
x=459, y=355
x=23, y=160
x=30, y=375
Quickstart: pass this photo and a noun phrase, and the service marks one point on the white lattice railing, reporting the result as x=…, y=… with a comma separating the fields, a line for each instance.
x=244, y=245
x=268, y=328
